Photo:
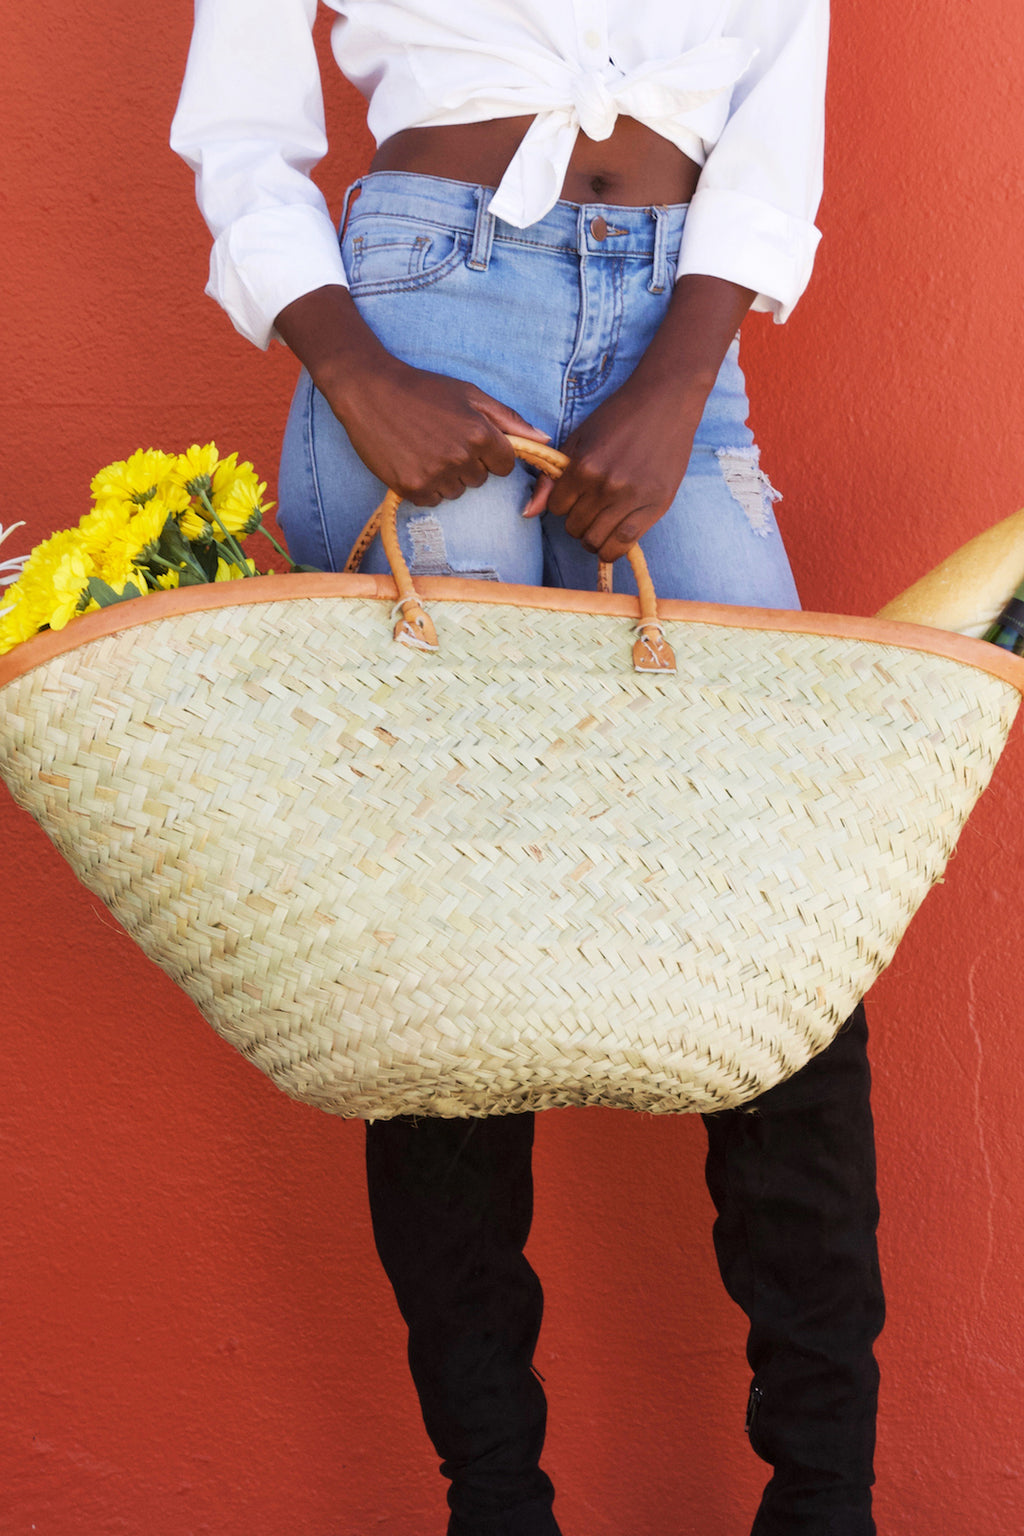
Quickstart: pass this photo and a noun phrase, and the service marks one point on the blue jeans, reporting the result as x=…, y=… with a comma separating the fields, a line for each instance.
x=550, y=320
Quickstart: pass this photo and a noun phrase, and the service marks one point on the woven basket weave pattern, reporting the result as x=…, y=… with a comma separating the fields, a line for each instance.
x=513, y=874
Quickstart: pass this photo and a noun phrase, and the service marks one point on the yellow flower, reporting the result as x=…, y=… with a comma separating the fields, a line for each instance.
x=118, y=573
x=174, y=496
x=45, y=554
x=118, y=541
x=135, y=479
x=238, y=498
x=192, y=525
x=124, y=580
x=137, y=539
x=54, y=579
x=194, y=469
x=195, y=524
x=229, y=572
x=68, y=579
x=105, y=524
x=17, y=619
x=233, y=491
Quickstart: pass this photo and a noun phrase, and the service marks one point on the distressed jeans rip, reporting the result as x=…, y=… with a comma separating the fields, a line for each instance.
x=430, y=552
x=750, y=486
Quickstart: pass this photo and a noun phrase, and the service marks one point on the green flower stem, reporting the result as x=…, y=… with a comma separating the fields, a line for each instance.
x=230, y=543
x=168, y=565
x=282, y=552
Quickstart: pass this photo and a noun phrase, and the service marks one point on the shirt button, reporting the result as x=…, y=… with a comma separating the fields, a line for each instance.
x=592, y=38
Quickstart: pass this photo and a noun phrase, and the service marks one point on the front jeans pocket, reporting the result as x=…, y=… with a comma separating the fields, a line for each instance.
x=385, y=254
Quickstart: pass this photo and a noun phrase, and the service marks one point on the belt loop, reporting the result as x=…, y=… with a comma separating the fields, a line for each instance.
x=483, y=231
x=659, y=261
x=350, y=196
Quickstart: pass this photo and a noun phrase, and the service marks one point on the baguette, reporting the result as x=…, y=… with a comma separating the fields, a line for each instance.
x=970, y=588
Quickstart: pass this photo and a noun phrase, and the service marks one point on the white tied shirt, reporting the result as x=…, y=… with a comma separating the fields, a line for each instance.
x=737, y=85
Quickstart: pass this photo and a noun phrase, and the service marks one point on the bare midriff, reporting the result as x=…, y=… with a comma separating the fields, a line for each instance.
x=635, y=167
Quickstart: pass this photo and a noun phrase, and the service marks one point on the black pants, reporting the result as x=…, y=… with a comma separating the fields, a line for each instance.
x=793, y=1181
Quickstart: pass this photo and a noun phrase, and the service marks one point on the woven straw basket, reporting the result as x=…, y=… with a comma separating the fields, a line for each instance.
x=512, y=872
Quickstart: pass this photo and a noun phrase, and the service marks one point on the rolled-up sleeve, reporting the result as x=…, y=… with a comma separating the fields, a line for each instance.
x=250, y=123
x=751, y=219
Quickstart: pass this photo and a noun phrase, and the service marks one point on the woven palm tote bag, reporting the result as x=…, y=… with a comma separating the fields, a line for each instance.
x=513, y=864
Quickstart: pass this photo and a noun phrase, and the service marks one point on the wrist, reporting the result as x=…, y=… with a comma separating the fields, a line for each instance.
x=347, y=368
x=333, y=342
x=685, y=355
x=671, y=399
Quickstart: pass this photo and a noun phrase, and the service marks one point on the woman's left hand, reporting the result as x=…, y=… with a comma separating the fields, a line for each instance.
x=627, y=461
x=629, y=457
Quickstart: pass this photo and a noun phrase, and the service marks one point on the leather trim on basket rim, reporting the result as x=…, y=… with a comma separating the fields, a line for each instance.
x=270, y=589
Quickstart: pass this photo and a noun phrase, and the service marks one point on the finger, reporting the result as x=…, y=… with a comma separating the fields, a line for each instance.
x=454, y=485
x=593, y=504
x=587, y=498
x=577, y=484
x=473, y=473
x=539, y=500
x=504, y=420
x=496, y=453
x=592, y=521
x=625, y=535
x=566, y=492
x=449, y=483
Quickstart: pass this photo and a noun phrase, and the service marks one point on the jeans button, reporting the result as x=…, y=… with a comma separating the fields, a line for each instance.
x=599, y=228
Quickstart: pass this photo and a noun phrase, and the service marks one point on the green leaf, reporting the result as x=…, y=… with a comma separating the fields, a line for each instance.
x=174, y=547
x=105, y=595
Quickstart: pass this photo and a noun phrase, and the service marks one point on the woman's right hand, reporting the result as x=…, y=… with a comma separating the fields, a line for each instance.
x=427, y=436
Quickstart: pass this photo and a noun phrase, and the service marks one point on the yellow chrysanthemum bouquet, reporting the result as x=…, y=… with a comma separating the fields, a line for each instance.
x=158, y=520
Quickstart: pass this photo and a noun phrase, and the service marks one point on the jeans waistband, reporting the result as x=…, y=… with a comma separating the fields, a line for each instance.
x=596, y=229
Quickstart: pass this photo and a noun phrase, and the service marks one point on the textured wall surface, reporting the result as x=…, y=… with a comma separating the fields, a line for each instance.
x=196, y=1335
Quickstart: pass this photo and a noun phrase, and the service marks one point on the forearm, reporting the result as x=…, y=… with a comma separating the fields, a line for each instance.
x=628, y=458
x=332, y=341
x=682, y=362
x=425, y=434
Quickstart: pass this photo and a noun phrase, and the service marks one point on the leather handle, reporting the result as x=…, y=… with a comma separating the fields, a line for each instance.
x=414, y=626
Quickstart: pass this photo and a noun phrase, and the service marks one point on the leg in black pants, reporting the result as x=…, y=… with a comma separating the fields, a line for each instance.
x=451, y=1202
x=793, y=1179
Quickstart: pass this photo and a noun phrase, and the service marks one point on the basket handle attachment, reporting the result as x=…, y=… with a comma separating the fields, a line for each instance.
x=414, y=626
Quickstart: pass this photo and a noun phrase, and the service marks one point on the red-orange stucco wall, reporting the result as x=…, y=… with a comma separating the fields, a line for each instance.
x=196, y=1337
